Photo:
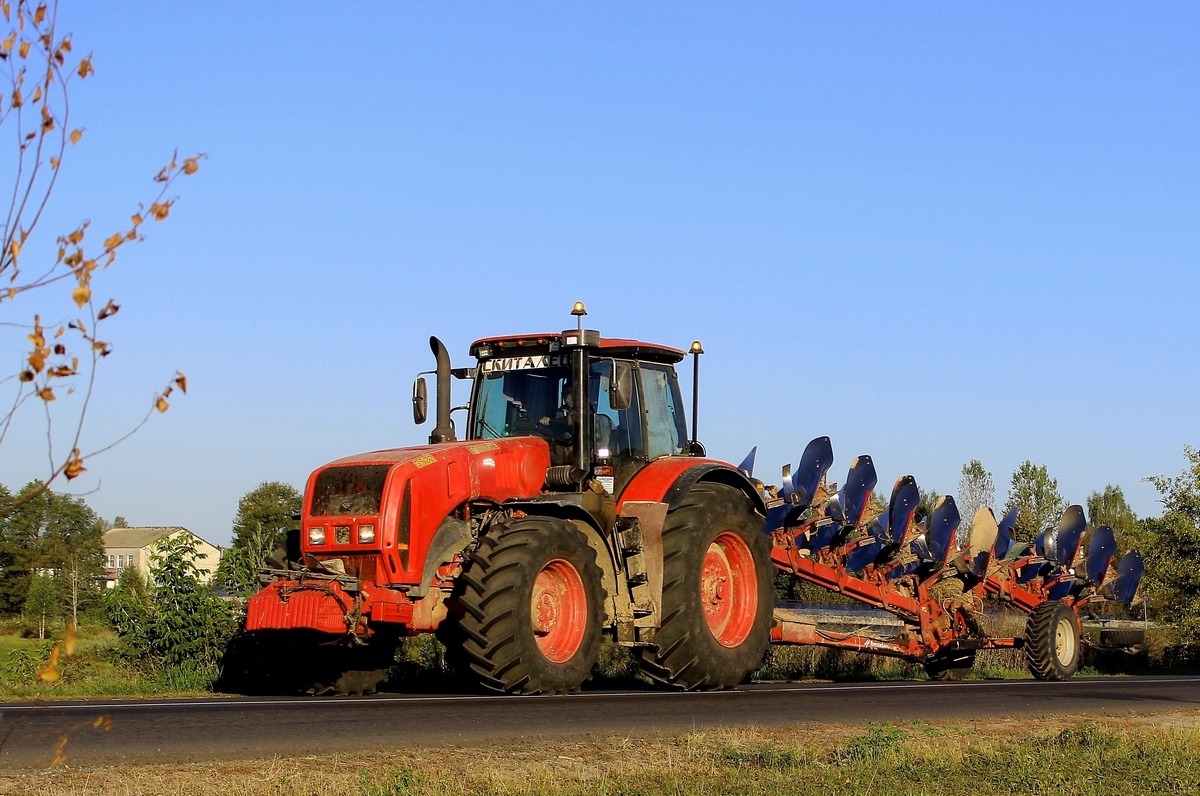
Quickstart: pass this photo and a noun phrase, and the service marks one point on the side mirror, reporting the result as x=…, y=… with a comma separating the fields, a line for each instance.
x=620, y=387
x=420, y=401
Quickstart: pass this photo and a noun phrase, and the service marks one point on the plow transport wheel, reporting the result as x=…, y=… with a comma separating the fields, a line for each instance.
x=717, y=592
x=532, y=608
x=1052, y=641
x=952, y=666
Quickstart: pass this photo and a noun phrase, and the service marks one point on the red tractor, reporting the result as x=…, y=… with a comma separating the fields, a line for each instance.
x=576, y=506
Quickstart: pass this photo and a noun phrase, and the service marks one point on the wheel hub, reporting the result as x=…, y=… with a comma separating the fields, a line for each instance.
x=558, y=610
x=729, y=589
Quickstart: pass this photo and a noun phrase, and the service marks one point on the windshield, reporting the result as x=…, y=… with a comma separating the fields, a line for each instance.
x=539, y=402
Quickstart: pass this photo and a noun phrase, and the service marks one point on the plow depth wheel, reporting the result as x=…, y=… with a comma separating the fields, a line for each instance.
x=533, y=606
x=717, y=592
x=1052, y=641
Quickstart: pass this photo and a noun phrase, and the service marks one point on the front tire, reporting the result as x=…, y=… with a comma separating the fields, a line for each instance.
x=718, y=594
x=1052, y=641
x=532, y=608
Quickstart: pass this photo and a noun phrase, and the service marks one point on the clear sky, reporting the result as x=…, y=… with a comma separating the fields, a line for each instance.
x=933, y=232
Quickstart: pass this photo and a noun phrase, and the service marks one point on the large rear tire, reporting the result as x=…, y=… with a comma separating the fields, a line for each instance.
x=532, y=605
x=1052, y=641
x=718, y=594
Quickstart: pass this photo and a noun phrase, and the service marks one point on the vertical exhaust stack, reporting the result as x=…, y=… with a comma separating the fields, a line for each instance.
x=444, y=431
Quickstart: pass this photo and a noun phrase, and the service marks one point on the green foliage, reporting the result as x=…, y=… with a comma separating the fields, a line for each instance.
x=1173, y=550
x=925, y=506
x=1110, y=508
x=190, y=625
x=41, y=604
x=976, y=490
x=1036, y=496
x=54, y=533
x=178, y=625
x=263, y=518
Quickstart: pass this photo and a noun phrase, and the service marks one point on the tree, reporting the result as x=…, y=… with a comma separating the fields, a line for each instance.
x=189, y=626
x=60, y=358
x=976, y=490
x=1173, y=554
x=926, y=504
x=41, y=604
x=56, y=534
x=1110, y=508
x=1035, y=494
x=263, y=518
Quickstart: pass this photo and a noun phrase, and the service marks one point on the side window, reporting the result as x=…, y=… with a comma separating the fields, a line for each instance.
x=665, y=428
x=619, y=431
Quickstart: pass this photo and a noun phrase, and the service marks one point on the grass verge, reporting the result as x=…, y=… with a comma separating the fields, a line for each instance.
x=1115, y=756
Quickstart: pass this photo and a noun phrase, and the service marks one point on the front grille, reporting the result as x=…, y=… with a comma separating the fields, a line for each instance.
x=341, y=534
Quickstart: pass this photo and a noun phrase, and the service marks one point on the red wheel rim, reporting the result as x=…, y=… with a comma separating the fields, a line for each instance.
x=729, y=589
x=558, y=610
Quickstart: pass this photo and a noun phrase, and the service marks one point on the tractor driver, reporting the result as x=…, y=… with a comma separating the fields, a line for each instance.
x=560, y=428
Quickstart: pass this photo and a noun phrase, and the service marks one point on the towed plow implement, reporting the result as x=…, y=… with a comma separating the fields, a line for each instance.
x=920, y=574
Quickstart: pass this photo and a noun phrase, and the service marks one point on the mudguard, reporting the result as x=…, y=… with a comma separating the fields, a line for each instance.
x=669, y=479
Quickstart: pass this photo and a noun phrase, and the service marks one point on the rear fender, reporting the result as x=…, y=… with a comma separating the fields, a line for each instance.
x=670, y=479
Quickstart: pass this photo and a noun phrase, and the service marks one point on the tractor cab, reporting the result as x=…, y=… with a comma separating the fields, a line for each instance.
x=633, y=410
x=604, y=406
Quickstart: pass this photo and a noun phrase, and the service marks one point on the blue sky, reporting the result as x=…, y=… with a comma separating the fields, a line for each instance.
x=933, y=232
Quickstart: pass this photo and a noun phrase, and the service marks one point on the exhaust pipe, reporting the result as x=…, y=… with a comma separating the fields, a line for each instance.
x=444, y=431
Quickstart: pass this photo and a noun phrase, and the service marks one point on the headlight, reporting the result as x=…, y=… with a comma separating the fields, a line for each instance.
x=316, y=535
x=366, y=534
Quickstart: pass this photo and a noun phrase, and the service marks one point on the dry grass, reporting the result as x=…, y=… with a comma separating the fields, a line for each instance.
x=1148, y=754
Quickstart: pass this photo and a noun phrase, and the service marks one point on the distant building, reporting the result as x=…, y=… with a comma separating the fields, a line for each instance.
x=132, y=547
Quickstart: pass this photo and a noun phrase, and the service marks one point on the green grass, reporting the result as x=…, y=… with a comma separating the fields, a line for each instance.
x=94, y=670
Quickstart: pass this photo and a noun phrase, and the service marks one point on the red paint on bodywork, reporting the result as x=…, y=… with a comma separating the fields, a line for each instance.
x=654, y=480
x=287, y=605
x=437, y=479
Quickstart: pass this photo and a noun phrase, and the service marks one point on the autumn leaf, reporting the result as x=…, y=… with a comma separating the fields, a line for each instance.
x=37, y=360
x=108, y=310
x=59, y=348
x=76, y=135
x=46, y=394
x=85, y=67
x=60, y=752
x=27, y=375
x=181, y=380
x=14, y=249
x=161, y=404
x=50, y=673
x=69, y=639
x=160, y=210
x=16, y=98
x=74, y=465
x=40, y=14
x=114, y=240
x=81, y=295
x=8, y=42
x=103, y=723
x=191, y=165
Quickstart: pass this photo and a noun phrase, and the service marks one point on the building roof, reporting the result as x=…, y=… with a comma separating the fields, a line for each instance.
x=142, y=537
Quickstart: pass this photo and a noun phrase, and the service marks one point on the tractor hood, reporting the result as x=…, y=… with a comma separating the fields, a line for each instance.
x=401, y=497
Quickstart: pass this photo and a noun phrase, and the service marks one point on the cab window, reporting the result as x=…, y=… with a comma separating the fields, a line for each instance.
x=666, y=431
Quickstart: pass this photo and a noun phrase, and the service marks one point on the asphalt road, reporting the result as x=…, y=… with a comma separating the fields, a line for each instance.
x=197, y=730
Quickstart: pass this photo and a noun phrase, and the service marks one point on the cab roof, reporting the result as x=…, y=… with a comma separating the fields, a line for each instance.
x=611, y=346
